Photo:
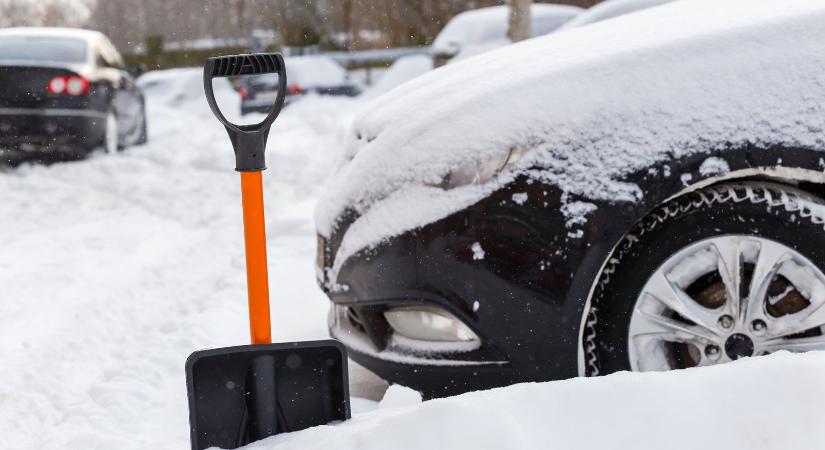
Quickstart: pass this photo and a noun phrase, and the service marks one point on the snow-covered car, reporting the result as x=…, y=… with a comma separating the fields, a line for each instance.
x=478, y=30
x=314, y=74
x=609, y=9
x=402, y=70
x=65, y=92
x=577, y=205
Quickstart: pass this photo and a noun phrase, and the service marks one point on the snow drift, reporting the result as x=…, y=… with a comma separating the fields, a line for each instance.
x=588, y=106
x=764, y=403
x=114, y=269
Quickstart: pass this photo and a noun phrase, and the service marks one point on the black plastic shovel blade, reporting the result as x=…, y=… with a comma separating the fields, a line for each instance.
x=239, y=395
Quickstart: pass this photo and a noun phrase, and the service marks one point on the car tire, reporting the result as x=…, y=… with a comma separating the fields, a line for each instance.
x=111, y=140
x=143, y=137
x=747, y=217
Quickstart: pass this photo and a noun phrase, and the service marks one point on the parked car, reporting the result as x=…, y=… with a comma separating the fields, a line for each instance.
x=402, y=70
x=65, y=92
x=314, y=74
x=609, y=9
x=478, y=30
x=579, y=205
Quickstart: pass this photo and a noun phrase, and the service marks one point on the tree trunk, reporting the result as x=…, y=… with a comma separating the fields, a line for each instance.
x=519, y=26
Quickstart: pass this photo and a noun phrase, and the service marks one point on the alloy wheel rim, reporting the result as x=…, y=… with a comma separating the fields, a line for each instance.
x=725, y=298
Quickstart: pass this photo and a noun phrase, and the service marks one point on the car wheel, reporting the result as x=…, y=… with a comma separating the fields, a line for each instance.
x=143, y=137
x=727, y=272
x=110, y=137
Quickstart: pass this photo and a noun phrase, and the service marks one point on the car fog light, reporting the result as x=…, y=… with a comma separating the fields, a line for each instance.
x=428, y=324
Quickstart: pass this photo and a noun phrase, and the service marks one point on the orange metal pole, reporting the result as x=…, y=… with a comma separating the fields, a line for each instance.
x=257, y=280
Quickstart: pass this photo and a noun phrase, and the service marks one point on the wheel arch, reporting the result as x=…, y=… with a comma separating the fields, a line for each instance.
x=800, y=168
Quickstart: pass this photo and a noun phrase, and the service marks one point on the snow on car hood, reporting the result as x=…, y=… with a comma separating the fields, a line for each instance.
x=591, y=105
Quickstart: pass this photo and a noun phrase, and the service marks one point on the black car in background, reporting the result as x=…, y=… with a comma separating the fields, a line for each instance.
x=63, y=93
x=314, y=74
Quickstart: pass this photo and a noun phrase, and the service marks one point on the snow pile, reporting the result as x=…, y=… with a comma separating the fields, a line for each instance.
x=115, y=268
x=398, y=396
x=588, y=106
x=609, y=9
x=482, y=29
x=754, y=404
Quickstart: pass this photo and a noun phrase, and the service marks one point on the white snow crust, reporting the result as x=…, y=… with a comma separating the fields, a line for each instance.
x=589, y=105
x=752, y=404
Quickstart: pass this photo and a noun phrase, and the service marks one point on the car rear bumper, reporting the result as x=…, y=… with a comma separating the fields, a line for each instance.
x=51, y=128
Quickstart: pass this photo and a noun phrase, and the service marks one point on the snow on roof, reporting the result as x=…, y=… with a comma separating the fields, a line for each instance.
x=74, y=33
x=706, y=408
x=485, y=25
x=609, y=9
x=591, y=104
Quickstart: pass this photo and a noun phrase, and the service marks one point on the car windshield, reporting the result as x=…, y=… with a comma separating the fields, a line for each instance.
x=42, y=49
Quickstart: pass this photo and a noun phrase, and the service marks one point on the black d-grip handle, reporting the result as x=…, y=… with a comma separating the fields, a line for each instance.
x=249, y=141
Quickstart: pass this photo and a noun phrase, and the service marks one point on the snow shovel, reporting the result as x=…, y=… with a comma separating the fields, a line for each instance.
x=239, y=395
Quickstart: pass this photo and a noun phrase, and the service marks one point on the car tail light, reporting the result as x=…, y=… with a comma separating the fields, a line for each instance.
x=72, y=85
x=77, y=85
x=244, y=93
x=295, y=89
x=57, y=85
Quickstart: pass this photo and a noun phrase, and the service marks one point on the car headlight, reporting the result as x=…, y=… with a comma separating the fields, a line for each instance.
x=428, y=323
x=480, y=171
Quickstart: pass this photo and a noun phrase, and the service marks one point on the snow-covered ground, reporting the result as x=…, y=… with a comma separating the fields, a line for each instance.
x=114, y=269
x=769, y=403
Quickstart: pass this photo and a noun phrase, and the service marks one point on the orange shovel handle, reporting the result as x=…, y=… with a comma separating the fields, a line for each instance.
x=257, y=279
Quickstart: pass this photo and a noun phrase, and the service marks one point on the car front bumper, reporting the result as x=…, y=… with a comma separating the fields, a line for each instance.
x=514, y=299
